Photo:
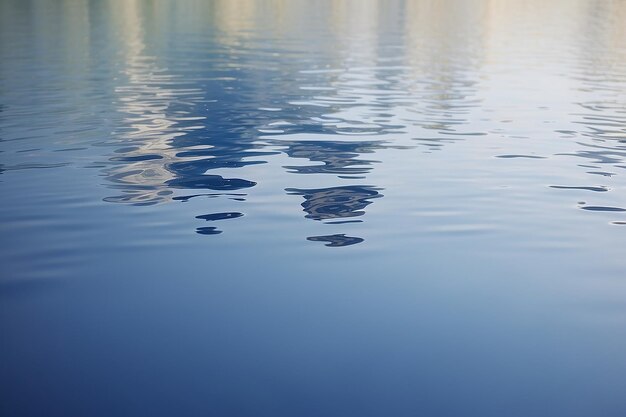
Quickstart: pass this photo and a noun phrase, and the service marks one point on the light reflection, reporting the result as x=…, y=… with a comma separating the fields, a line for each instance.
x=399, y=74
x=336, y=202
x=147, y=99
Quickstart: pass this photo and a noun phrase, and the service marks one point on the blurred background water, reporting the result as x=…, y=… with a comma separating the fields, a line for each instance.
x=313, y=208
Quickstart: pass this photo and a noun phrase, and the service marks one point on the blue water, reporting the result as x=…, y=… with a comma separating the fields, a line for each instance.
x=313, y=208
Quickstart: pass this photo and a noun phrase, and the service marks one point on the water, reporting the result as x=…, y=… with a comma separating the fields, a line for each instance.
x=313, y=208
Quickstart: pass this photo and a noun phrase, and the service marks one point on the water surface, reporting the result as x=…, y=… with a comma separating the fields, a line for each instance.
x=313, y=208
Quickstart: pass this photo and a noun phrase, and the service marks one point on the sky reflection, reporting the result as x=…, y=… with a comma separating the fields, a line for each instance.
x=312, y=208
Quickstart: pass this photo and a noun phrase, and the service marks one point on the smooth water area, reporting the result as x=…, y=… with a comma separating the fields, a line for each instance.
x=313, y=208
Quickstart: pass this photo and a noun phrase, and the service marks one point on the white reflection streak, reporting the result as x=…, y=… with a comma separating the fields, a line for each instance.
x=149, y=125
x=357, y=25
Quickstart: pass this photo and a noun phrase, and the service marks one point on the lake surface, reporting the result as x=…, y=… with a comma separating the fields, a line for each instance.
x=313, y=208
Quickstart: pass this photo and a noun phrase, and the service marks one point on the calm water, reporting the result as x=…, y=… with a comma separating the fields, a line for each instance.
x=313, y=208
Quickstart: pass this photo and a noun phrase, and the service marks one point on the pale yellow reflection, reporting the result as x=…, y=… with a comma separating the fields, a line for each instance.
x=146, y=99
x=443, y=48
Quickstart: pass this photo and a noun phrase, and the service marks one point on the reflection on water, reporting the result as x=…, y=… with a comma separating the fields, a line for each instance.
x=336, y=202
x=336, y=240
x=161, y=162
x=237, y=103
x=231, y=94
x=337, y=157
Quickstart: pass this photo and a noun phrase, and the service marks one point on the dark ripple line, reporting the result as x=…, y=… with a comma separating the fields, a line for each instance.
x=602, y=208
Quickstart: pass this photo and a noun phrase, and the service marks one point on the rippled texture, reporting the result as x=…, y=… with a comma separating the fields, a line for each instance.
x=313, y=208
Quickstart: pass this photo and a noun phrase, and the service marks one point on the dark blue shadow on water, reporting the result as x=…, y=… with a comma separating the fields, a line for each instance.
x=211, y=182
x=208, y=231
x=338, y=157
x=219, y=216
x=336, y=202
x=337, y=240
x=333, y=203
